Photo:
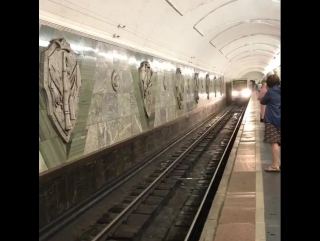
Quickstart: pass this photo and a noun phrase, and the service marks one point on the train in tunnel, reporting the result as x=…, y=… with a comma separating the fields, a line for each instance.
x=240, y=90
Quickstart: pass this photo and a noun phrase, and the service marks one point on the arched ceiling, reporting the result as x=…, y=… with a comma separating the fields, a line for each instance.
x=228, y=37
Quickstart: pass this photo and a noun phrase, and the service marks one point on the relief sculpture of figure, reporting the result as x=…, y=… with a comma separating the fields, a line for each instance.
x=145, y=74
x=207, y=86
x=61, y=81
x=196, y=89
x=179, y=87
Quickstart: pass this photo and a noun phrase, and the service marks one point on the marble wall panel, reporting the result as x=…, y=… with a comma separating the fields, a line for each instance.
x=102, y=75
x=95, y=111
x=119, y=129
x=127, y=81
x=133, y=104
x=157, y=121
x=110, y=110
x=124, y=104
x=106, y=116
x=171, y=113
x=136, y=125
x=42, y=164
x=98, y=137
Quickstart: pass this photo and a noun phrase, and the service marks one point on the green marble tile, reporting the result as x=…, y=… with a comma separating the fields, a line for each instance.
x=88, y=61
x=87, y=72
x=47, y=33
x=95, y=111
x=82, y=118
x=42, y=99
x=124, y=104
x=41, y=49
x=46, y=129
x=126, y=81
x=73, y=38
x=77, y=144
x=124, y=127
x=98, y=137
x=101, y=78
x=136, y=125
x=86, y=92
x=53, y=152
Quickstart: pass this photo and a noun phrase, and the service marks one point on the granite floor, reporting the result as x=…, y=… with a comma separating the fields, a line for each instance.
x=247, y=204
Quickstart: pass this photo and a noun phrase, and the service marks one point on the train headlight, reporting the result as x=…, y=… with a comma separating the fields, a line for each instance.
x=235, y=93
x=246, y=93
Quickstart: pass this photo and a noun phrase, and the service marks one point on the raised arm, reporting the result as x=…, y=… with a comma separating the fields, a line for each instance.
x=263, y=91
x=265, y=99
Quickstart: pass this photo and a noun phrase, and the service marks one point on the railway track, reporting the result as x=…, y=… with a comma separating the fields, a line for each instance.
x=133, y=217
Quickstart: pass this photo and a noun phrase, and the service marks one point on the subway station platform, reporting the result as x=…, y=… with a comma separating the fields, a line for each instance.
x=247, y=204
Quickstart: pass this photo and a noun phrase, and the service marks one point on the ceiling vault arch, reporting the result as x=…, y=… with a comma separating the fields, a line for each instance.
x=224, y=37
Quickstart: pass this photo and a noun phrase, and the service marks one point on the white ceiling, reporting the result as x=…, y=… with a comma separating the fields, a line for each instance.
x=228, y=37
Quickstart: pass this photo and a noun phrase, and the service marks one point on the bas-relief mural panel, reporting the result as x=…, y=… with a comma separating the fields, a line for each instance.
x=111, y=104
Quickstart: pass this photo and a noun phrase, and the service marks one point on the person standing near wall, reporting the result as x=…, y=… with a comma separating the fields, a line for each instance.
x=272, y=119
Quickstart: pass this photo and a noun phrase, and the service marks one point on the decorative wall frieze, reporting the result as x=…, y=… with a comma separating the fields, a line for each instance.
x=179, y=87
x=145, y=75
x=61, y=80
x=196, y=89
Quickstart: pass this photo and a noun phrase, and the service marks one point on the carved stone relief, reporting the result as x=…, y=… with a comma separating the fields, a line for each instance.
x=179, y=87
x=115, y=80
x=61, y=80
x=207, y=86
x=196, y=89
x=165, y=83
x=145, y=74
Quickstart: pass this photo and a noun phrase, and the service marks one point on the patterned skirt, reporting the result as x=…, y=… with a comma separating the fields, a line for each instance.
x=271, y=134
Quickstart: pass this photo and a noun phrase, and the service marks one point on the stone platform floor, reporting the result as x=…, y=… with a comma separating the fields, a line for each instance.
x=247, y=203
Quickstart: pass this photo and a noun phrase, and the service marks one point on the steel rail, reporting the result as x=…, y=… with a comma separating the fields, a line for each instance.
x=195, y=220
x=115, y=223
x=51, y=229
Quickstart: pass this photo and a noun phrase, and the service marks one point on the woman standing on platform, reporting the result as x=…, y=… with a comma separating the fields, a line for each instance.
x=272, y=119
x=263, y=91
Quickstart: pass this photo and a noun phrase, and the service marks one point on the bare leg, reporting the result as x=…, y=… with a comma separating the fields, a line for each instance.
x=275, y=154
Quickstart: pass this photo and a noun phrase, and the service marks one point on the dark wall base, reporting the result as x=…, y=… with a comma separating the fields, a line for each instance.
x=73, y=183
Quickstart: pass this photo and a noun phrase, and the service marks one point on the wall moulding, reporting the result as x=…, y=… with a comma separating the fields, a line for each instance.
x=61, y=80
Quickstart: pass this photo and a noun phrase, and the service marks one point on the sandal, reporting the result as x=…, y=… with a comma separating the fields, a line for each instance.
x=272, y=169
